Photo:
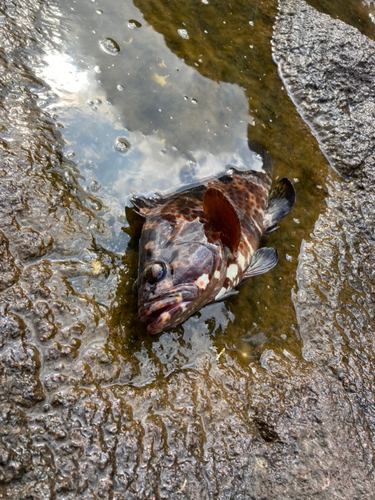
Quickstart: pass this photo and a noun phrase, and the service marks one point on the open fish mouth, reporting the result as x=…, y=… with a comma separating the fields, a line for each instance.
x=160, y=313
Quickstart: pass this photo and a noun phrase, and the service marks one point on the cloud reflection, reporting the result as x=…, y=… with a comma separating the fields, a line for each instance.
x=63, y=75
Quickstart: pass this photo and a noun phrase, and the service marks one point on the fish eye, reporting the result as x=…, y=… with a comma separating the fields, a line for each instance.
x=155, y=272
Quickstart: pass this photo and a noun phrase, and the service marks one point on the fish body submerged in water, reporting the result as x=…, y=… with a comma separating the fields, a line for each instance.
x=196, y=246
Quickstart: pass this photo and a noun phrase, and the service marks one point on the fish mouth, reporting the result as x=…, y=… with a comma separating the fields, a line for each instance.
x=160, y=312
x=160, y=319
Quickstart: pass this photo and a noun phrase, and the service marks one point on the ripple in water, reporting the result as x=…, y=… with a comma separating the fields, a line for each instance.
x=110, y=46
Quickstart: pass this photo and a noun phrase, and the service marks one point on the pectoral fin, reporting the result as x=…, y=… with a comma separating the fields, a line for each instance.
x=280, y=203
x=223, y=218
x=232, y=293
x=263, y=260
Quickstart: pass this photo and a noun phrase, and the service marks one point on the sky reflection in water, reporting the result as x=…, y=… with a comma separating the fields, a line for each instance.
x=179, y=126
x=139, y=120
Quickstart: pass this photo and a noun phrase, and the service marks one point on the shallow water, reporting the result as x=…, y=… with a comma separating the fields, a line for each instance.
x=147, y=97
x=149, y=100
x=183, y=114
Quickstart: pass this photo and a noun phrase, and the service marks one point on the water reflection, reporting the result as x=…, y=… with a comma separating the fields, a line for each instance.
x=151, y=105
x=64, y=76
x=187, y=348
x=180, y=126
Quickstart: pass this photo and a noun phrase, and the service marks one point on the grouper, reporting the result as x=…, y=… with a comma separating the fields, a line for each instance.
x=198, y=245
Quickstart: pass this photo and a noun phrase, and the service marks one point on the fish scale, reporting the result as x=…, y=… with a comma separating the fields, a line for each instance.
x=196, y=246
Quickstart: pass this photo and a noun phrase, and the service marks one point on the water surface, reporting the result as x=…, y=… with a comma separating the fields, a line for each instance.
x=151, y=97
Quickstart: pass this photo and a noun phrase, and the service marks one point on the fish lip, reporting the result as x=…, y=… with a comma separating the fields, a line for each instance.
x=150, y=308
x=175, y=296
x=157, y=325
x=177, y=299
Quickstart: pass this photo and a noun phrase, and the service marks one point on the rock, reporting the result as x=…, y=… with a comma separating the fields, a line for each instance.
x=8, y=270
x=328, y=69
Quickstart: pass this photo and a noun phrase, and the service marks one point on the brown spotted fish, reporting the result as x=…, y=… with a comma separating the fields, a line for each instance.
x=197, y=246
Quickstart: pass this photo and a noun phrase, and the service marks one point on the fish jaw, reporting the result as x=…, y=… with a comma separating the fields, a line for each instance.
x=165, y=312
x=168, y=317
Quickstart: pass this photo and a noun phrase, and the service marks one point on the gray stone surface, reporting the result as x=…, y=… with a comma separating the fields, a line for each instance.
x=329, y=71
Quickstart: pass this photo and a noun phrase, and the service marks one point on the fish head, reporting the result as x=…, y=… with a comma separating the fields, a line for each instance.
x=179, y=271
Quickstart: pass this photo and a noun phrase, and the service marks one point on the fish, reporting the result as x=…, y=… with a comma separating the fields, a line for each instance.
x=198, y=245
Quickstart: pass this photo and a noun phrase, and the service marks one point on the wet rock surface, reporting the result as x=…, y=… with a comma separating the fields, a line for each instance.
x=72, y=426
x=328, y=68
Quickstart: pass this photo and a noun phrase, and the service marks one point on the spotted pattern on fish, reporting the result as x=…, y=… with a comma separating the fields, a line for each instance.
x=249, y=196
x=198, y=245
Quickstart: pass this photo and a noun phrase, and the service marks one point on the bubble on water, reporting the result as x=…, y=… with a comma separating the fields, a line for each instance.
x=97, y=69
x=95, y=186
x=110, y=46
x=183, y=34
x=205, y=1
x=289, y=258
x=190, y=164
x=122, y=145
x=132, y=24
x=70, y=154
x=99, y=12
x=251, y=23
x=120, y=87
x=194, y=101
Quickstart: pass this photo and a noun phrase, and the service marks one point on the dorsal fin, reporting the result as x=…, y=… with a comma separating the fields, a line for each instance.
x=142, y=204
x=135, y=221
x=223, y=218
x=263, y=153
x=280, y=203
